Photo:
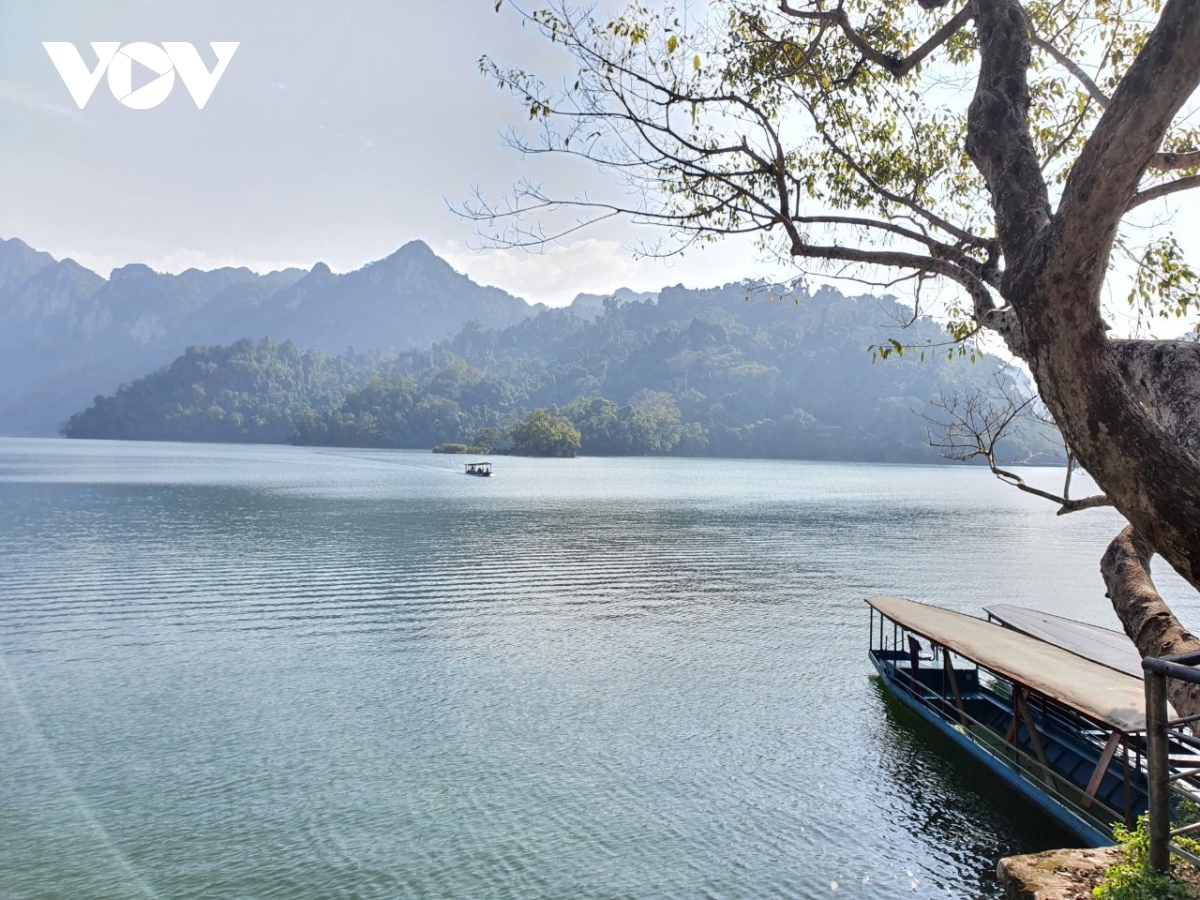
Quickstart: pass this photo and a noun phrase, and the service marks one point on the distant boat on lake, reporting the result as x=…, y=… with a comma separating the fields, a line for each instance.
x=483, y=469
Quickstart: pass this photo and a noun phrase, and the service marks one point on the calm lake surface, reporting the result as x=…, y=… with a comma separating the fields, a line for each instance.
x=270, y=672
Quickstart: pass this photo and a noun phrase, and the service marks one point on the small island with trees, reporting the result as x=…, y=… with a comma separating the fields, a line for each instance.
x=542, y=433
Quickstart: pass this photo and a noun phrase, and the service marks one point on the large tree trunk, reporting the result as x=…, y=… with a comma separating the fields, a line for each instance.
x=1145, y=469
x=1147, y=619
x=1056, y=266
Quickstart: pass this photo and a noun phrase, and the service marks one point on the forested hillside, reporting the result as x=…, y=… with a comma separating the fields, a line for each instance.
x=67, y=333
x=242, y=393
x=730, y=372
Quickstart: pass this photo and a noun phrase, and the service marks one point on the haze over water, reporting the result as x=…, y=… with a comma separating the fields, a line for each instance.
x=268, y=672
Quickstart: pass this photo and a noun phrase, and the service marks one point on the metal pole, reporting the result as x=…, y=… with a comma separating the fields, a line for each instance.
x=1156, y=765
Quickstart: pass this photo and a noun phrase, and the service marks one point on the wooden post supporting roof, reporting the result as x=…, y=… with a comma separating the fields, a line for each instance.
x=1010, y=736
x=1110, y=748
x=950, y=676
x=1035, y=739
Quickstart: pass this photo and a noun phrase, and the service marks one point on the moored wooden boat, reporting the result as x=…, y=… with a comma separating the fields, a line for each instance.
x=1065, y=732
x=1103, y=645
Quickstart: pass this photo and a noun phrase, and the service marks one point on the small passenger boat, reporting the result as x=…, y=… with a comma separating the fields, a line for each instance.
x=1066, y=732
x=483, y=469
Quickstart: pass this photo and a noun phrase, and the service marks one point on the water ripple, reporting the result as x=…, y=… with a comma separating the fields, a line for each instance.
x=268, y=672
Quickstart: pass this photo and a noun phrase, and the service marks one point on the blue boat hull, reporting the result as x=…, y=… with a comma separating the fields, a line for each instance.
x=1088, y=834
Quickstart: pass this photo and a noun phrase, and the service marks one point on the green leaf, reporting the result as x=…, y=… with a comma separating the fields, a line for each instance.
x=672, y=43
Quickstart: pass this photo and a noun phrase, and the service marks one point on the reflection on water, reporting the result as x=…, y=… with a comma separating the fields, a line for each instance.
x=280, y=672
x=946, y=789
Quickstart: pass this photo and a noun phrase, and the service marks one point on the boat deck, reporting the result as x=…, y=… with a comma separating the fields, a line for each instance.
x=1065, y=732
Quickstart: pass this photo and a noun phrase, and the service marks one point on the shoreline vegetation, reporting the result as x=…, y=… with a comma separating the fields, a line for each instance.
x=744, y=371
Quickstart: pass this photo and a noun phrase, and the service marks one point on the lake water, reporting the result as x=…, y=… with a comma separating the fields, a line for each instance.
x=270, y=672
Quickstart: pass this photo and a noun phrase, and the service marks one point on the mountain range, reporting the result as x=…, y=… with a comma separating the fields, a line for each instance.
x=408, y=352
x=68, y=334
x=738, y=371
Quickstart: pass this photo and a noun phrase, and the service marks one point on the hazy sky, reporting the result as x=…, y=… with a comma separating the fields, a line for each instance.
x=338, y=132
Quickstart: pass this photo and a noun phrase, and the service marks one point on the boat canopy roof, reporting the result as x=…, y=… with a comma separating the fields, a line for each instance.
x=1103, y=645
x=1104, y=694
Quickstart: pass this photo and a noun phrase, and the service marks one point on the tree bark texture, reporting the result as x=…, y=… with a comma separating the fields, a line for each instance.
x=1115, y=403
x=1164, y=376
x=1146, y=618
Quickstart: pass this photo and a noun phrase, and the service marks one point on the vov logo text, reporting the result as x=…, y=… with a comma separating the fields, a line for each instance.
x=118, y=60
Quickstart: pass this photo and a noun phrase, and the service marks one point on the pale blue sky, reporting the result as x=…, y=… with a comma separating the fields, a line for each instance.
x=338, y=133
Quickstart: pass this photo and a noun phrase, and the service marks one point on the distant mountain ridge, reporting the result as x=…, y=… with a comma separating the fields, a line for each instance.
x=717, y=372
x=592, y=306
x=68, y=334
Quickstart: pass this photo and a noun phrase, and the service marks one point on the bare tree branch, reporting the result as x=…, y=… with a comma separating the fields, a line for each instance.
x=1173, y=162
x=896, y=65
x=973, y=426
x=1074, y=68
x=1164, y=190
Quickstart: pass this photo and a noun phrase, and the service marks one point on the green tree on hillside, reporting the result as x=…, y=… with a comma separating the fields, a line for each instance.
x=657, y=425
x=243, y=393
x=488, y=439
x=545, y=434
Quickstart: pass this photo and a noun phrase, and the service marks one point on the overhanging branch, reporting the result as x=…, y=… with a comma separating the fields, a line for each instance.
x=1173, y=162
x=974, y=425
x=898, y=66
x=1074, y=68
x=1164, y=190
x=981, y=298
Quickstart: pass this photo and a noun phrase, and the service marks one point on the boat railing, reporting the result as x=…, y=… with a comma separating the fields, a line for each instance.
x=1068, y=720
x=1064, y=791
x=1173, y=762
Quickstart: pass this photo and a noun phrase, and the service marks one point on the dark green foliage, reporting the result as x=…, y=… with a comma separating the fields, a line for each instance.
x=1133, y=879
x=446, y=403
x=724, y=372
x=243, y=393
x=545, y=434
x=650, y=425
x=488, y=439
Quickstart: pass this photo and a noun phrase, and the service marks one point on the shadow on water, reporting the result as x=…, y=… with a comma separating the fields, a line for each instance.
x=953, y=801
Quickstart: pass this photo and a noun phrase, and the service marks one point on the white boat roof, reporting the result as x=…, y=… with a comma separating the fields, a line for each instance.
x=1104, y=694
x=1103, y=645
